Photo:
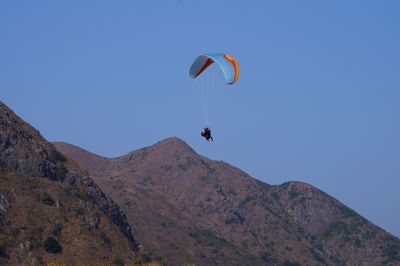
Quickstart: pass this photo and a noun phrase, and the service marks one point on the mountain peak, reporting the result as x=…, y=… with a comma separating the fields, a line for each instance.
x=173, y=144
x=173, y=141
x=165, y=150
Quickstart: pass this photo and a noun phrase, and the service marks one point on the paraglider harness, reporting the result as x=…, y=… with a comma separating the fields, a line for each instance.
x=206, y=133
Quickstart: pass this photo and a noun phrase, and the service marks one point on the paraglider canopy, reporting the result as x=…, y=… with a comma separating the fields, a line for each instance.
x=227, y=64
x=211, y=80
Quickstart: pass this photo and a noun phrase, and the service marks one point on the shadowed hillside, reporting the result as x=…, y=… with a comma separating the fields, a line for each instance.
x=188, y=209
x=50, y=209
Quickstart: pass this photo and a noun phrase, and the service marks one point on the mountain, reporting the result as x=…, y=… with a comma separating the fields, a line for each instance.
x=187, y=209
x=50, y=209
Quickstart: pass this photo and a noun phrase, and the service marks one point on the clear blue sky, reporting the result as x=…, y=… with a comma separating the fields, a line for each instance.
x=318, y=96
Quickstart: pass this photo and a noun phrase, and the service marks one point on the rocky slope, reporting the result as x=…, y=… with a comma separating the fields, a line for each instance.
x=50, y=209
x=188, y=209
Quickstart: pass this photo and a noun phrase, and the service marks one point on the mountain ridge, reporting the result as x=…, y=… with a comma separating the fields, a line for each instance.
x=218, y=214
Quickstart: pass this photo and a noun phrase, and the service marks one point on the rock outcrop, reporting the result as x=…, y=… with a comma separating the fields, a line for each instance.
x=42, y=195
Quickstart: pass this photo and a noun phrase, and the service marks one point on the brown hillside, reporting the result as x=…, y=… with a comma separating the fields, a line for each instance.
x=188, y=209
x=50, y=210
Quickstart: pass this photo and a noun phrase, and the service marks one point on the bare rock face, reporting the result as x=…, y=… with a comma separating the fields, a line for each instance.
x=45, y=196
x=110, y=208
x=22, y=148
x=188, y=209
x=310, y=208
x=4, y=207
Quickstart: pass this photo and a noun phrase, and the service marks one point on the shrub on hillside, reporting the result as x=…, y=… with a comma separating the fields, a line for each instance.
x=290, y=263
x=47, y=199
x=265, y=256
x=57, y=230
x=3, y=253
x=61, y=171
x=118, y=261
x=57, y=156
x=51, y=245
x=3, y=177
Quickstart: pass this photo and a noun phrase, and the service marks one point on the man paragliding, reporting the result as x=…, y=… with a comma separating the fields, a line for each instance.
x=206, y=133
x=228, y=68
